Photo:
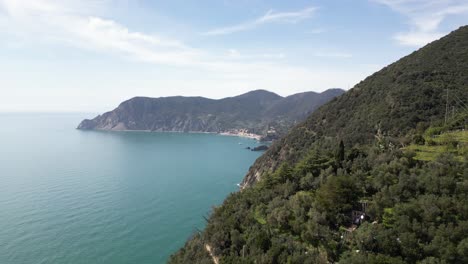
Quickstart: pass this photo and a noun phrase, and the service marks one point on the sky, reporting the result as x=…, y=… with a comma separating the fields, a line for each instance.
x=90, y=55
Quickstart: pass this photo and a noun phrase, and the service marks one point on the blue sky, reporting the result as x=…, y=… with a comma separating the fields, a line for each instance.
x=88, y=56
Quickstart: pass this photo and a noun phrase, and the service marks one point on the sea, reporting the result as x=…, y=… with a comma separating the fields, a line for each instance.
x=81, y=197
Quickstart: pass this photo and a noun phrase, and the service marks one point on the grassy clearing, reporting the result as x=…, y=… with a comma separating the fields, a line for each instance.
x=258, y=216
x=460, y=136
x=455, y=142
x=427, y=153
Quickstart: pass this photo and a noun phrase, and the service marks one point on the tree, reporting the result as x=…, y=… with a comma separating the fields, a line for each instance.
x=340, y=155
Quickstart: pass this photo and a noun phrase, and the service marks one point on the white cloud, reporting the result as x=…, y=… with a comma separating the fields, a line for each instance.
x=425, y=18
x=78, y=24
x=417, y=38
x=74, y=23
x=233, y=53
x=237, y=55
x=317, y=31
x=269, y=17
x=333, y=55
x=111, y=36
x=273, y=55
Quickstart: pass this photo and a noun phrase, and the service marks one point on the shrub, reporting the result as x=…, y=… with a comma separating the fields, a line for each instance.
x=419, y=140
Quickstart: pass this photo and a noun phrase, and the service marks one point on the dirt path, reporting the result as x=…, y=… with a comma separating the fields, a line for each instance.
x=215, y=259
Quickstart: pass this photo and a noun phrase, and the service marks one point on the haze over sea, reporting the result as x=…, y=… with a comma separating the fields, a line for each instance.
x=70, y=196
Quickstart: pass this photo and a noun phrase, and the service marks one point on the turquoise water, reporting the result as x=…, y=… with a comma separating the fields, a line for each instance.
x=70, y=196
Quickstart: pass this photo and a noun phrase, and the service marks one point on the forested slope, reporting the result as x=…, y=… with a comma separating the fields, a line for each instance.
x=403, y=95
x=346, y=186
x=257, y=112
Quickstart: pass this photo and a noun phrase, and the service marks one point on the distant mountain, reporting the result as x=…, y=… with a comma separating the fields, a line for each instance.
x=298, y=106
x=255, y=112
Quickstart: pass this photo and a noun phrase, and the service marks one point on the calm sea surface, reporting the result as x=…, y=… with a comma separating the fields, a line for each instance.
x=70, y=196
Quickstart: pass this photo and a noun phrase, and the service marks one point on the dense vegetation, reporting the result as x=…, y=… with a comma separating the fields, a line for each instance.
x=416, y=211
x=404, y=95
x=449, y=138
x=347, y=185
x=257, y=111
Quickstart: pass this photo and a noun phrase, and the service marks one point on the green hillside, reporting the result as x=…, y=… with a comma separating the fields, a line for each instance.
x=257, y=112
x=450, y=142
x=349, y=186
x=450, y=138
x=408, y=94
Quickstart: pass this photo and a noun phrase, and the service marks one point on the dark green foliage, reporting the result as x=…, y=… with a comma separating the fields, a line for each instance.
x=369, y=258
x=336, y=199
x=396, y=100
x=419, y=140
x=193, y=252
x=311, y=186
x=417, y=212
x=340, y=154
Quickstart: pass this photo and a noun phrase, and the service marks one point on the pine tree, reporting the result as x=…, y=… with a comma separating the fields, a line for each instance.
x=340, y=155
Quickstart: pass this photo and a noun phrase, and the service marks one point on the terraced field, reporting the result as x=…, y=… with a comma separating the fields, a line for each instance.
x=455, y=142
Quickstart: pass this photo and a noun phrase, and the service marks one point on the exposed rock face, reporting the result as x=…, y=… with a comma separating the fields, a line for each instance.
x=259, y=112
x=260, y=148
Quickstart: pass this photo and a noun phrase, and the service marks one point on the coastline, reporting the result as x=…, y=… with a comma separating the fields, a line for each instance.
x=225, y=133
x=241, y=134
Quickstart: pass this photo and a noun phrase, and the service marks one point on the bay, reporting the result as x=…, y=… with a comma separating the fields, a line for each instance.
x=70, y=196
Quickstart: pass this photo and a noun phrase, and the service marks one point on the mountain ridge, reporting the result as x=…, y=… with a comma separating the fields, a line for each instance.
x=255, y=112
x=345, y=185
x=394, y=97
